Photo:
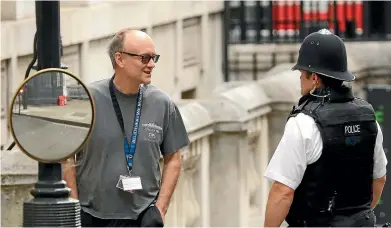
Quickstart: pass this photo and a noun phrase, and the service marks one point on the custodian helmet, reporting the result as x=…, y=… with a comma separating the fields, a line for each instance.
x=324, y=53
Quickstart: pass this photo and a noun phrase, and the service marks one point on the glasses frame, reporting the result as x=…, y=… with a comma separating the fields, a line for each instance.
x=145, y=58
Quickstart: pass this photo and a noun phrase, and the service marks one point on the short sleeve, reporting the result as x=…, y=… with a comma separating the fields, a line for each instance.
x=289, y=161
x=175, y=135
x=380, y=159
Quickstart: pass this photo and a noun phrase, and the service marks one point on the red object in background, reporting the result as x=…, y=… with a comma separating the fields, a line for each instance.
x=290, y=16
x=307, y=14
x=349, y=10
x=306, y=11
x=358, y=12
x=62, y=100
x=287, y=15
x=341, y=16
x=282, y=18
x=314, y=11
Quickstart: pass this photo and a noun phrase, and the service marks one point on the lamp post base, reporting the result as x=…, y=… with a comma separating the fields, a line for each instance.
x=49, y=212
x=51, y=206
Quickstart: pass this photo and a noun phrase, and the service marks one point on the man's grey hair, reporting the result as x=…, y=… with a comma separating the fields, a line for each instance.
x=117, y=44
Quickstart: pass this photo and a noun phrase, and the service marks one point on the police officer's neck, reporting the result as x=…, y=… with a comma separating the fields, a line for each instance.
x=320, y=86
x=125, y=84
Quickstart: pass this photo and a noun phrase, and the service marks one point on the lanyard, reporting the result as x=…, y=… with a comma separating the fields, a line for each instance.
x=129, y=149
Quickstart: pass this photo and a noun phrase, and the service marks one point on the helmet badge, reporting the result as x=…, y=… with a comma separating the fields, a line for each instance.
x=324, y=32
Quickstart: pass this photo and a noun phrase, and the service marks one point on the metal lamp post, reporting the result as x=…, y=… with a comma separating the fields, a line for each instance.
x=51, y=206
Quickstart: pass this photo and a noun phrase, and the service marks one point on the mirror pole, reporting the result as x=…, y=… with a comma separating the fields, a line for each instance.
x=51, y=206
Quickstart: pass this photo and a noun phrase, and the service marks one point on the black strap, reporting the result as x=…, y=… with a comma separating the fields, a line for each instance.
x=128, y=149
x=116, y=107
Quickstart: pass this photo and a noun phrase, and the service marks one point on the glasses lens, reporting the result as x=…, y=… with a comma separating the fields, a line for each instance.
x=156, y=58
x=146, y=58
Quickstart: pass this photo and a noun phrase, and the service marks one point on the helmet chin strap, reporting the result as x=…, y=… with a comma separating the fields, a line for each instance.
x=320, y=91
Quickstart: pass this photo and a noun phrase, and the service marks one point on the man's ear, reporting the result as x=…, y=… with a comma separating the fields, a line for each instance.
x=119, y=60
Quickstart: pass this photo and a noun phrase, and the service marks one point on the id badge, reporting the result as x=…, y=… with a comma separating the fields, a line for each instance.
x=129, y=183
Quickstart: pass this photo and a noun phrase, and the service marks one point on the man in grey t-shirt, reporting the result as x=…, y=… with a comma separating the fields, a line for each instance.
x=161, y=131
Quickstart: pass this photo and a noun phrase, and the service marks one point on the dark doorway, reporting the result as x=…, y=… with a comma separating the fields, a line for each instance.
x=379, y=12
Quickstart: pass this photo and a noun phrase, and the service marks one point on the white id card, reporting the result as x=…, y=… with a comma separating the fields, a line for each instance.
x=128, y=183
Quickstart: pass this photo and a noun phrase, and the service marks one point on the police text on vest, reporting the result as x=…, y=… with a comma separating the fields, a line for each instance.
x=352, y=129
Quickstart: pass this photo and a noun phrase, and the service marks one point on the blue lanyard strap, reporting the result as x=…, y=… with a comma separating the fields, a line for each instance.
x=129, y=149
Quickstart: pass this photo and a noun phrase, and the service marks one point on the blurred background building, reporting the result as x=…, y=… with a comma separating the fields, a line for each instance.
x=291, y=21
x=227, y=65
x=276, y=24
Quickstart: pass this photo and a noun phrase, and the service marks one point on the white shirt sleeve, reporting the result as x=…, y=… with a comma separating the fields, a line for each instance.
x=289, y=160
x=379, y=169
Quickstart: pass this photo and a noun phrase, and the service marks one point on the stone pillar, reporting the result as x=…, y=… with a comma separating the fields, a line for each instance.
x=228, y=176
x=229, y=202
x=263, y=161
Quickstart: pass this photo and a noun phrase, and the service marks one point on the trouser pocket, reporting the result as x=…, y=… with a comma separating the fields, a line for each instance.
x=88, y=220
x=152, y=218
x=361, y=219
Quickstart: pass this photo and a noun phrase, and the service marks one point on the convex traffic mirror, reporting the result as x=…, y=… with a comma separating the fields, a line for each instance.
x=52, y=115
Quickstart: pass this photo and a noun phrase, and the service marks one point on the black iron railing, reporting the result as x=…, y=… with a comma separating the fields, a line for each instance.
x=256, y=63
x=290, y=21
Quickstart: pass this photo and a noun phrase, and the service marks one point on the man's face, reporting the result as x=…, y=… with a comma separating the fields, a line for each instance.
x=138, y=57
x=307, y=82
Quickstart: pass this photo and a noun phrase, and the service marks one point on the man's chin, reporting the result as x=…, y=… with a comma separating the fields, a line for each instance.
x=147, y=81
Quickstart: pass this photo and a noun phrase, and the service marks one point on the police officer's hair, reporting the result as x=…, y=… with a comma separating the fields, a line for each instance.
x=330, y=82
x=117, y=44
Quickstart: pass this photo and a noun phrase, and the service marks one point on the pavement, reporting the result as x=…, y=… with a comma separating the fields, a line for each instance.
x=47, y=139
x=76, y=112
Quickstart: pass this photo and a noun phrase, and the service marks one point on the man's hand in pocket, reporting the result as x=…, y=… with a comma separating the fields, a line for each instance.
x=163, y=214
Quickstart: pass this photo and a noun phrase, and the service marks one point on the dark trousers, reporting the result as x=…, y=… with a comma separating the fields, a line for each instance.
x=150, y=217
x=360, y=219
x=365, y=218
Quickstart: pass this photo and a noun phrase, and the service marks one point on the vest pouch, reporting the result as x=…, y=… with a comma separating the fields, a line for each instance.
x=316, y=217
x=329, y=211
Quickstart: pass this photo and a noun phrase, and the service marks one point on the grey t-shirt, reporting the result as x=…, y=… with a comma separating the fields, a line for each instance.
x=161, y=131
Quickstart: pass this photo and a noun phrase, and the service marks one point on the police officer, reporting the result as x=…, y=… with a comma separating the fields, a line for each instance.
x=329, y=168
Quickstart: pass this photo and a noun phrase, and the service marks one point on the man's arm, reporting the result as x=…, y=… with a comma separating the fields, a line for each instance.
x=171, y=171
x=69, y=175
x=287, y=167
x=379, y=168
x=378, y=185
x=278, y=204
x=175, y=138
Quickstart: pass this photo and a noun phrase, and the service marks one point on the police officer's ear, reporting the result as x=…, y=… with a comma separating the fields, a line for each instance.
x=119, y=60
x=315, y=79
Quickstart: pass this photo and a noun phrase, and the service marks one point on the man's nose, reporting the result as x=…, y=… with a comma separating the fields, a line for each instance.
x=151, y=63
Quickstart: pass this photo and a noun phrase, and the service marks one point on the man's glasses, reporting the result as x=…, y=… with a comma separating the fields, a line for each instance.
x=145, y=58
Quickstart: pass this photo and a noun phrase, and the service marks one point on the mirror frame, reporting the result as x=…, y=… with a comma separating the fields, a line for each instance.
x=92, y=103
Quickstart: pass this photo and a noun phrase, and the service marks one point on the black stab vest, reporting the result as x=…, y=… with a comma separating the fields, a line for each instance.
x=340, y=181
